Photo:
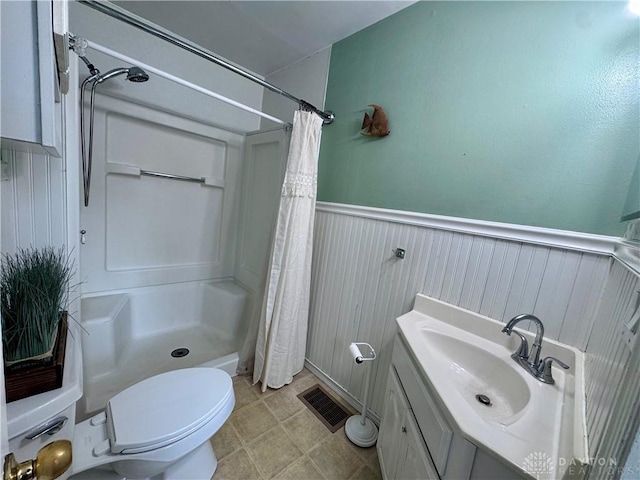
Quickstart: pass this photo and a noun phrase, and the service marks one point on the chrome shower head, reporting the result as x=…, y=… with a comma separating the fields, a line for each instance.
x=137, y=75
x=134, y=74
x=111, y=73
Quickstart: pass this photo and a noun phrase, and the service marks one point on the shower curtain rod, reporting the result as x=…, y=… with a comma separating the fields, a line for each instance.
x=149, y=68
x=135, y=21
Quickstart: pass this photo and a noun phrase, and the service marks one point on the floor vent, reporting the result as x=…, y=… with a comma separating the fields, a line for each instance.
x=331, y=413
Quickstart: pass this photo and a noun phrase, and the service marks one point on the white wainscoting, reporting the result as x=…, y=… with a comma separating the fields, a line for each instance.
x=612, y=374
x=359, y=287
x=33, y=201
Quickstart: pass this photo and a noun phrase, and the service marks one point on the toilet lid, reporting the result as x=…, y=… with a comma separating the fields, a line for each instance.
x=165, y=408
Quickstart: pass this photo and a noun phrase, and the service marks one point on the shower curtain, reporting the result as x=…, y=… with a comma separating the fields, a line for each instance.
x=282, y=331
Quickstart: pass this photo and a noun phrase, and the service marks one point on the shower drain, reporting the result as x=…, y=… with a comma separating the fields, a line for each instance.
x=180, y=352
x=483, y=399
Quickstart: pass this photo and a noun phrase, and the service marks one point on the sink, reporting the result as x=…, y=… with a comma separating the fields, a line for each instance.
x=486, y=397
x=476, y=372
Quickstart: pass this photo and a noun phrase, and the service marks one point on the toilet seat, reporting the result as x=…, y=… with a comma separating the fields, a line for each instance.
x=164, y=409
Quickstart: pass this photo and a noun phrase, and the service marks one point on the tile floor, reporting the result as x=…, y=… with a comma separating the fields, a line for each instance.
x=274, y=435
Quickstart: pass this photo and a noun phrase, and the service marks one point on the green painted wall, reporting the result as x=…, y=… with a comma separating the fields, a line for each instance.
x=518, y=112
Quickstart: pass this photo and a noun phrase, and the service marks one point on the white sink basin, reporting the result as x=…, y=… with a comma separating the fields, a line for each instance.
x=473, y=371
x=463, y=354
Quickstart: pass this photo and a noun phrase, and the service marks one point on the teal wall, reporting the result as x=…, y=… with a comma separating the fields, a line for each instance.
x=518, y=112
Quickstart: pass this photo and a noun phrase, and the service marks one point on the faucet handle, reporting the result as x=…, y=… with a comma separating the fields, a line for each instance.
x=523, y=349
x=544, y=371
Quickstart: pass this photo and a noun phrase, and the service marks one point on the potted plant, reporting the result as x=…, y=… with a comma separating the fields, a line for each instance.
x=34, y=295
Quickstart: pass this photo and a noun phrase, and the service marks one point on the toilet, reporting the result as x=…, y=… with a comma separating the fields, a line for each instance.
x=157, y=429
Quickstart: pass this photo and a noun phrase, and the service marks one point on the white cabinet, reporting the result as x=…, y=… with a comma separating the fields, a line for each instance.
x=418, y=441
x=400, y=446
x=30, y=95
x=417, y=463
x=391, y=425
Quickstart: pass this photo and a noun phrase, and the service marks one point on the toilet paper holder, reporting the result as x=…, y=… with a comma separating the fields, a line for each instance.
x=358, y=428
x=362, y=352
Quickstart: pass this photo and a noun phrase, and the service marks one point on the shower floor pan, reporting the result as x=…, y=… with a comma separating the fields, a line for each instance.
x=119, y=350
x=150, y=356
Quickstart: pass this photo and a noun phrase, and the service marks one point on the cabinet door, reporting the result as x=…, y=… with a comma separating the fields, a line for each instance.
x=391, y=447
x=50, y=104
x=31, y=118
x=416, y=464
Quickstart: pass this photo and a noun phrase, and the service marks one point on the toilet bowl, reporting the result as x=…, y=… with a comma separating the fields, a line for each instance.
x=157, y=428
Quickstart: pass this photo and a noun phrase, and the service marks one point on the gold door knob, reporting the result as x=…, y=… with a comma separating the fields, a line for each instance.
x=51, y=461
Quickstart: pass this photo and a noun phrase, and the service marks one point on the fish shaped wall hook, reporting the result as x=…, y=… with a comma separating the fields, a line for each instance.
x=377, y=124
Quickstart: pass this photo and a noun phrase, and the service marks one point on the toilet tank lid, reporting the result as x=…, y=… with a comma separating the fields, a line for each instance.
x=166, y=408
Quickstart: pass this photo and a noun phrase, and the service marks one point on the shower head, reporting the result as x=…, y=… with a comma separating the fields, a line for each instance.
x=137, y=75
x=134, y=74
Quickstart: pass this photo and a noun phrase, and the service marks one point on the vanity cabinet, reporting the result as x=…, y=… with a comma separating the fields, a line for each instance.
x=417, y=440
x=31, y=96
x=400, y=449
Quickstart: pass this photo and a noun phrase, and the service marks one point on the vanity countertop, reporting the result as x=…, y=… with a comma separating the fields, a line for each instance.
x=462, y=353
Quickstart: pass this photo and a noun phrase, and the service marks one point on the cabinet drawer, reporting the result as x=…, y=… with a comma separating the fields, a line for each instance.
x=432, y=423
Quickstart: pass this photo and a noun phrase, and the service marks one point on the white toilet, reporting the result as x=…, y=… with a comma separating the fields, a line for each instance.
x=158, y=428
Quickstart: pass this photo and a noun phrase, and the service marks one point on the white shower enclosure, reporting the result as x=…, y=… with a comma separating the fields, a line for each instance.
x=170, y=265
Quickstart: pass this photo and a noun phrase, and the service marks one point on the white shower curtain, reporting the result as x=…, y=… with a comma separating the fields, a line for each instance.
x=282, y=334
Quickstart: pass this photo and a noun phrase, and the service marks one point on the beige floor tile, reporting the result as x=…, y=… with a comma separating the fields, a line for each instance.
x=335, y=458
x=366, y=473
x=284, y=403
x=273, y=435
x=374, y=463
x=273, y=451
x=252, y=421
x=270, y=391
x=299, y=385
x=239, y=378
x=301, y=469
x=365, y=453
x=237, y=466
x=257, y=389
x=244, y=393
x=306, y=430
x=225, y=441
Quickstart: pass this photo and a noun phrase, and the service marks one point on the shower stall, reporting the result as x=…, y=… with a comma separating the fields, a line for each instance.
x=174, y=243
x=175, y=234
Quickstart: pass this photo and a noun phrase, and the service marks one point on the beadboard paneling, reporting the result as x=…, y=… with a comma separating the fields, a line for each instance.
x=359, y=287
x=33, y=201
x=612, y=371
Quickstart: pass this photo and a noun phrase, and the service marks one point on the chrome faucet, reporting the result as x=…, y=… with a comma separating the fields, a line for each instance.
x=537, y=343
x=530, y=360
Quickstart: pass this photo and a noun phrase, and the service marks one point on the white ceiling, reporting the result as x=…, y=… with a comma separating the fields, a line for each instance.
x=264, y=36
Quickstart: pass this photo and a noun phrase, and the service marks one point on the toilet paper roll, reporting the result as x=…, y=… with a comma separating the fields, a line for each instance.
x=355, y=353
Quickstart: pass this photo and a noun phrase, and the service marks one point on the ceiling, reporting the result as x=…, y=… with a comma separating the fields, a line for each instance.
x=264, y=36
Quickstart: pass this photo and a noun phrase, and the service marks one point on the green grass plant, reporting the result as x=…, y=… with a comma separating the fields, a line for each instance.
x=34, y=289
